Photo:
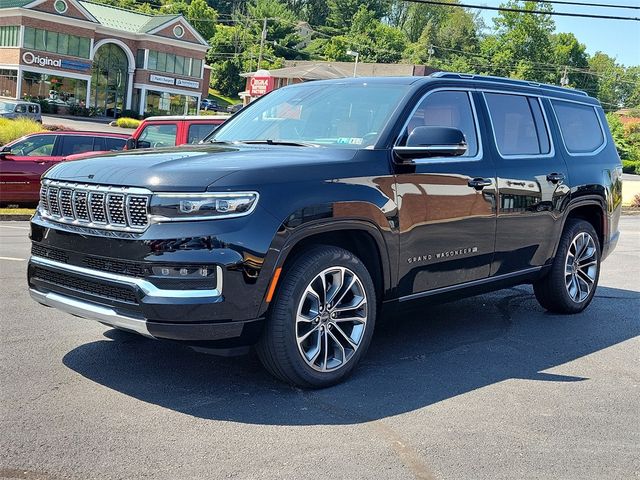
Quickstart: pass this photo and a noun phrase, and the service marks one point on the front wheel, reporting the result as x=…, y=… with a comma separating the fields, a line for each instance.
x=322, y=319
x=571, y=284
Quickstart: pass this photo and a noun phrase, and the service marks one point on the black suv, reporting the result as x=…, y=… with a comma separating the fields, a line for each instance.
x=321, y=204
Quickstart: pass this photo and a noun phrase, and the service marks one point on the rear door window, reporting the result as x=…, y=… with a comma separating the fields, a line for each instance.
x=159, y=135
x=518, y=124
x=114, y=143
x=72, y=144
x=197, y=131
x=579, y=125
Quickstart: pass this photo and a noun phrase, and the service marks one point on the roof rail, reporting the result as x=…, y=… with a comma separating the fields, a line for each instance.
x=507, y=81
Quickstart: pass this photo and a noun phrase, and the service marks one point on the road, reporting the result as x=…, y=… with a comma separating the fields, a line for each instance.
x=83, y=124
x=490, y=387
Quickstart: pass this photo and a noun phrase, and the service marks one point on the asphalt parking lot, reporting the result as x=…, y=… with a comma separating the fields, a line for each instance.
x=490, y=387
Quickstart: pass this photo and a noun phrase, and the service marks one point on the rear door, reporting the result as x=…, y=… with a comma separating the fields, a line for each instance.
x=532, y=181
x=446, y=205
x=20, y=171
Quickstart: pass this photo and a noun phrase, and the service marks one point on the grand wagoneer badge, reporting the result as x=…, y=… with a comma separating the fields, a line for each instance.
x=441, y=255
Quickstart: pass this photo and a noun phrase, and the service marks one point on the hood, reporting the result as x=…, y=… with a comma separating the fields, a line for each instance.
x=190, y=168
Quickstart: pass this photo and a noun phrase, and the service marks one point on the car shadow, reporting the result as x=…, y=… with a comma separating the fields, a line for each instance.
x=423, y=356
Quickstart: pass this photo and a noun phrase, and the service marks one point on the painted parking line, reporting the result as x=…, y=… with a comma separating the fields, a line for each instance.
x=13, y=259
x=15, y=228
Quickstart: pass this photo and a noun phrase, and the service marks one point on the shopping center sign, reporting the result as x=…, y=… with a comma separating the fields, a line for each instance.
x=30, y=58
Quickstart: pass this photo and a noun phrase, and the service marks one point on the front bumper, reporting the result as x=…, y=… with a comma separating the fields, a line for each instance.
x=136, y=305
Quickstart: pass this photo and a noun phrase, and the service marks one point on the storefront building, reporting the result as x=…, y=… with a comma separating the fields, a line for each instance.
x=73, y=54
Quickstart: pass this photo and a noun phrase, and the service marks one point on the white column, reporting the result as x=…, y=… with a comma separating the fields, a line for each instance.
x=129, y=90
x=143, y=95
x=86, y=103
x=19, y=84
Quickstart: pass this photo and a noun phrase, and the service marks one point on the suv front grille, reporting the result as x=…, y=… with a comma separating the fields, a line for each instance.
x=96, y=206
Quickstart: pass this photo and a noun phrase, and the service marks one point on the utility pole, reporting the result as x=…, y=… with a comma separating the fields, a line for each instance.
x=263, y=37
x=564, y=81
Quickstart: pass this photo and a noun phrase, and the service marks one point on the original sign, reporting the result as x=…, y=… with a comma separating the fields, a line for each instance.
x=259, y=86
x=162, y=79
x=187, y=83
x=31, y=58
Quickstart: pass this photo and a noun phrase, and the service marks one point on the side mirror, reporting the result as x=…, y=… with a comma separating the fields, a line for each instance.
x=131, y=144
x=143, y=144
x=6, y=150
x=432, y=142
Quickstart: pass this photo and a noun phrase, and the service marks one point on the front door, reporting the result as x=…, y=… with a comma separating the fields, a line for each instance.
x=531, y=182
x=446, y=205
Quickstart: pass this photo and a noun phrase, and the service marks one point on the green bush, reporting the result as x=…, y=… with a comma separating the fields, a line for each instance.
x=126, y=122
x=631, y=166
x=12, y=129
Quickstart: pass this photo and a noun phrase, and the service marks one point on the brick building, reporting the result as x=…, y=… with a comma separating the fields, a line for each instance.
x=74, y=52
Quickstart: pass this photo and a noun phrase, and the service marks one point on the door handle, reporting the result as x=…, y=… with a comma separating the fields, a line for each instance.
x=555, y=177
x=479, y=183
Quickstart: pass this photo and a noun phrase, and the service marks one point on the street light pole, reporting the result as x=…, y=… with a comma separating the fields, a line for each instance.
x=355, y=65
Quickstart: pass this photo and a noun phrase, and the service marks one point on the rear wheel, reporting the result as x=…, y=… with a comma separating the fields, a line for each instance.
x=322, y=319
x=571, y=284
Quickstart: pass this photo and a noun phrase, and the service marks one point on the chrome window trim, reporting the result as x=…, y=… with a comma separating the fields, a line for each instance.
x=518, y=156
x=605, y=140
x=426, y=161
x=148, y=288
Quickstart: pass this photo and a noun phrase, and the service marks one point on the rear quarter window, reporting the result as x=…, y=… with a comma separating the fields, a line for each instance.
x=580, y=127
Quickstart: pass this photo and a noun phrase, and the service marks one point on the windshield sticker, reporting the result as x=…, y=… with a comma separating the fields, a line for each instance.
x=350, y=140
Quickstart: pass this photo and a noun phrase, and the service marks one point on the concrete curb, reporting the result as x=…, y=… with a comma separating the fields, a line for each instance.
x=18, y=217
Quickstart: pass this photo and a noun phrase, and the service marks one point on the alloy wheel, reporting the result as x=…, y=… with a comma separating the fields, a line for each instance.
x=581, y=267
x=331, y=319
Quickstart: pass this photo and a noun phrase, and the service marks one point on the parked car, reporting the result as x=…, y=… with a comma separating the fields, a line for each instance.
x=236, y=107
x=326, y=204
x=169, y=131
x=23, y=161
x=20, y=109
x=208, y=104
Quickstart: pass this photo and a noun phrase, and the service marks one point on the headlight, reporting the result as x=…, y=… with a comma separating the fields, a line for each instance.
x=201, y=206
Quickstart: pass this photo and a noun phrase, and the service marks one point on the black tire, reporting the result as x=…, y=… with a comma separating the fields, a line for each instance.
x=278, y=348
x=552, y=291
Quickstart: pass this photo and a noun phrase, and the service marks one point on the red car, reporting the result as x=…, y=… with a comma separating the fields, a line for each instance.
x=23, y=161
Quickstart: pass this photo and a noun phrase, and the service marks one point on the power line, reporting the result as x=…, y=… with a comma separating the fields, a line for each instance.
x=520, y=10
x=582, y=4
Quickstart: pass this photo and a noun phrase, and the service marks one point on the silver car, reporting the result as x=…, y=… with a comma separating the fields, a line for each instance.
x=18, y=108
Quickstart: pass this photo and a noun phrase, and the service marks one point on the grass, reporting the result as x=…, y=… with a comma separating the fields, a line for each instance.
x=222, y=100
x=126, y=122
x=17, y=211
x=13, y=129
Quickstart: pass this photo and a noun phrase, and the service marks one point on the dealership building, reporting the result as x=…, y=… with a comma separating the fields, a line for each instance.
x=78, y=53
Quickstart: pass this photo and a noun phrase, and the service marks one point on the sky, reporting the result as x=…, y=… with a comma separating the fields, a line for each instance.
x=616, y=38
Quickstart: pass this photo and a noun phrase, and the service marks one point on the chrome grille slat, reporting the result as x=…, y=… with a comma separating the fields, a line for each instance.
x=80, y=205
x=65, y=203
x=95, y=206
x=97, y=210
x=54, y=204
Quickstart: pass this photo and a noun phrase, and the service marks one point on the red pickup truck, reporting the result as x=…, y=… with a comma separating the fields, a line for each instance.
x=169, y=131
x=23, y=161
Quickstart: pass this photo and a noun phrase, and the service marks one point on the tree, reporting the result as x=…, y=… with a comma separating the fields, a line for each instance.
x=342, y=12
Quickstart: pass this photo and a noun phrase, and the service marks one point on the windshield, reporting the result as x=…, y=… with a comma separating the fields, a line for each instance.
x=7, y=107
x=350, y=116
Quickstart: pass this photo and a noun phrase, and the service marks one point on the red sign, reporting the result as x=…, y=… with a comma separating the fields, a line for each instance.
x=260, y=85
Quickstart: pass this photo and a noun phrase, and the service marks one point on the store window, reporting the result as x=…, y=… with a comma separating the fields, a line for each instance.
x=8, y=82
x=55, y=89
x=165, y=103
x=9, y=36
x=170, y=63
x=55, y=42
